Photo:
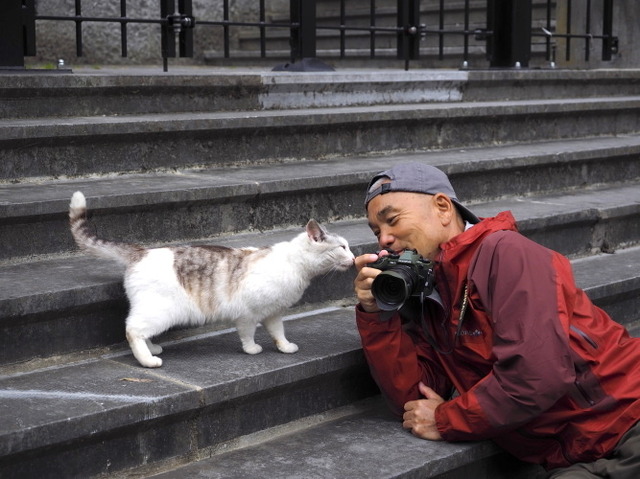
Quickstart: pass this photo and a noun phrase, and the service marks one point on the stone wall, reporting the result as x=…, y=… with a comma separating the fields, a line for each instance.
x=101, y=41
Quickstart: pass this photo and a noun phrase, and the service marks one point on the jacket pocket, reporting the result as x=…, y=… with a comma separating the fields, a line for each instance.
x=588, y=392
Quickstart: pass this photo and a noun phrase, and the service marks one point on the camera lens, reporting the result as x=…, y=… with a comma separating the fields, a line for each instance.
x=392, y=287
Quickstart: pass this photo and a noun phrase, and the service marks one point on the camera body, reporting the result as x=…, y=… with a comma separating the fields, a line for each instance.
x=403, y=276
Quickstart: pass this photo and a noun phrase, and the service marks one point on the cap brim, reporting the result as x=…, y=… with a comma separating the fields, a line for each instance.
x=466, y=214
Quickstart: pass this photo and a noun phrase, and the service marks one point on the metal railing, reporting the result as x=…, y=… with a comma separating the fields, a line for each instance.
x=507, y=34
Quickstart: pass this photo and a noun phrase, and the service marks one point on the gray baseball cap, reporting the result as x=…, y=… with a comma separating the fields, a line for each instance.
x=417, y=178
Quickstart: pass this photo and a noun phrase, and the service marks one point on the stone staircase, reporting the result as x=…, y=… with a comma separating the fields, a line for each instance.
x=246, y=157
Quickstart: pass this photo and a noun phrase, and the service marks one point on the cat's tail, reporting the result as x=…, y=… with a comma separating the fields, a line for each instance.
x=87, y=240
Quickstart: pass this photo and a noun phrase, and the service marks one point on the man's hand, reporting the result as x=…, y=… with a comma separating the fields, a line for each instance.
x=364, y=280
x=419, y=415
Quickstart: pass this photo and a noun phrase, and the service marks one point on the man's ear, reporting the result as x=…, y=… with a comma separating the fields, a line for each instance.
x=444, y=208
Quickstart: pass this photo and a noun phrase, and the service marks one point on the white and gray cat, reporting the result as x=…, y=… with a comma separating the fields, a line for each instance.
x=193, y=285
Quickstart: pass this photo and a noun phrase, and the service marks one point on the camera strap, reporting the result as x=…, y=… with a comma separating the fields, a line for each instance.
x=463, y=309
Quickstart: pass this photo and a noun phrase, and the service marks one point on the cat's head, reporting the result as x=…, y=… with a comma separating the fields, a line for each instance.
x=331, y=251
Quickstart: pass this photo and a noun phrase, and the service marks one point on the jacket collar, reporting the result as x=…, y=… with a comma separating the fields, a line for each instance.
x=457, y=253
x=469, y=238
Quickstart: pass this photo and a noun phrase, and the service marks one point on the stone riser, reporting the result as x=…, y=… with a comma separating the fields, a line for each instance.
x=198, y=204
x=85, y=146
x=85, y=94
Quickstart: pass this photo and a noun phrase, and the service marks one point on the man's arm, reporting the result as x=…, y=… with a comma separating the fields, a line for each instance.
x=398, y=361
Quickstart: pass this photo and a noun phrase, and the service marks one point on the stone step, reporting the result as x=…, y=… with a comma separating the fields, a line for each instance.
x=190, y=205
x=42, y=300
x=142, y=90
x=127, y=91
x=112, y=91
x=107, y=414
x=367, y=443
x=81, y=146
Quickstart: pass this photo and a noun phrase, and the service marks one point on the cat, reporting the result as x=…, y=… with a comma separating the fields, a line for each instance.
x=193, y=285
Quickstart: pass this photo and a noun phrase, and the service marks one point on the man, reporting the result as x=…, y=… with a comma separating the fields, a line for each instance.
x=506, y=347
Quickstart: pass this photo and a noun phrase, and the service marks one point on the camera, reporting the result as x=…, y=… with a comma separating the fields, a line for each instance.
x=402, y=277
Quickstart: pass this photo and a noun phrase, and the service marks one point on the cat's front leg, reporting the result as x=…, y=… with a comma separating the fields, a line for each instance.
x=140, y=349
x=246, y=331
x=276, y=330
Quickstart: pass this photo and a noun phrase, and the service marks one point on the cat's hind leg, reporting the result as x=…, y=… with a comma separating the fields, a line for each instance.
x=276, y=330
x=246, y=331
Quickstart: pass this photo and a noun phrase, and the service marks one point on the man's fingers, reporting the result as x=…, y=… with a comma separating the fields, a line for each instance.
x=428, y=393
x=363, y=260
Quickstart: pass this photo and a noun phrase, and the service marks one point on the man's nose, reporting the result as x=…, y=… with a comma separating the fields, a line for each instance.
x=386, y=240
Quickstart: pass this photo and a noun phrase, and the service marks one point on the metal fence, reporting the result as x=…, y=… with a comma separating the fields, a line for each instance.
x=507, y=34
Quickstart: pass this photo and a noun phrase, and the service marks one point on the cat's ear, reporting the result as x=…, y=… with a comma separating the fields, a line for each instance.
x=315, y=231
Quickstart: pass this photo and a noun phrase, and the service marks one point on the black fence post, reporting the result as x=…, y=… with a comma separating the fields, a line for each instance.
x=29, y=27
x=178, y=22
x=609, y=42
x=303, y=39
x=408, y=37
x=12, y=38
x=509, y=41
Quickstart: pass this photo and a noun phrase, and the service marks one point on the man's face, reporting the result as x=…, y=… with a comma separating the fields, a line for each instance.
x=403, y=221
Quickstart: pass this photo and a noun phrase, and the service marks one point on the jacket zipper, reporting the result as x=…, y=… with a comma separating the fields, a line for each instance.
x=584, y=336
x=584, y=393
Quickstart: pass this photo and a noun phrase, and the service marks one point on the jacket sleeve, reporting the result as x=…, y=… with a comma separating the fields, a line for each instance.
x=399, y=359
x=518, y=284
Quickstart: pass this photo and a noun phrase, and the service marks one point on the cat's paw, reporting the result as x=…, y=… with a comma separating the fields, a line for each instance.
x=252, y=349
x=287, y=347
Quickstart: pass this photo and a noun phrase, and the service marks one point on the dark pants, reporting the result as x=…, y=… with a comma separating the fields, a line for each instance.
x=624, y=463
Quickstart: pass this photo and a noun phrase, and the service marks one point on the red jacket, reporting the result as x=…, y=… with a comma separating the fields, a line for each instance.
x=539, y=369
